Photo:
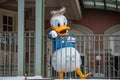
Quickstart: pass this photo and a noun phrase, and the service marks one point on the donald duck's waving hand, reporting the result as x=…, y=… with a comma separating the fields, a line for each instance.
x=65, y=57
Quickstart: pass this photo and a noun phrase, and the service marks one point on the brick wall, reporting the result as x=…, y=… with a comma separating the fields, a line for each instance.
x=99, y=20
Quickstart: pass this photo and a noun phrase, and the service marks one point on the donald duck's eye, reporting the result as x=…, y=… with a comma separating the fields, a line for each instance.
x=65, y=21
x=57, y=24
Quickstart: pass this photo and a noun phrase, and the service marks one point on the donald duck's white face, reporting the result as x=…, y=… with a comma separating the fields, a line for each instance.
x=58, y=23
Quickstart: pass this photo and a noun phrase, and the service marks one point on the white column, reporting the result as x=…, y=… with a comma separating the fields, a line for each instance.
x=20, y=36
x=38, y=36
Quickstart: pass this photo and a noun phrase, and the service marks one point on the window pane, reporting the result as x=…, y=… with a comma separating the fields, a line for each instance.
x=4, y=28
x=10, y=20
x=4, y=19
x=9, y=28
x=111, y=5
x=117, y=44
x=117, y=49
x=99, y=3
x=88, y=3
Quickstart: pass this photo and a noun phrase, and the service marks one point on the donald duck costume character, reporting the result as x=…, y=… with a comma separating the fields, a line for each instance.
x=65, y=57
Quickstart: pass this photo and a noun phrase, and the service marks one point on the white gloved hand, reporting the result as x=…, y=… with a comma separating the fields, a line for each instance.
x=53, y=34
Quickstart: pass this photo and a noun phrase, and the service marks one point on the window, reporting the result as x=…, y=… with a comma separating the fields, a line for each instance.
x=7, y=23
x=8, y=20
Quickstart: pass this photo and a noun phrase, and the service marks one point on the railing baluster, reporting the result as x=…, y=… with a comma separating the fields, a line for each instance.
x=94, y=52
x=5, y=58
x=15, y=55
x=29, y=53
x=99, y=54
x=9, y=53
x=104, y=65
x=84, y=51
x=89, y=51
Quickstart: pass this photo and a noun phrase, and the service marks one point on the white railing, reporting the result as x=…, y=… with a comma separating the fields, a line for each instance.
x=99, y=53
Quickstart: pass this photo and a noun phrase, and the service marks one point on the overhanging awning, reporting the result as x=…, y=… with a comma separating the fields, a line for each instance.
x=102, y=4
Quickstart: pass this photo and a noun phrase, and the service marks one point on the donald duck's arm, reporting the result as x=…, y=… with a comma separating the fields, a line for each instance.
x=52, y=34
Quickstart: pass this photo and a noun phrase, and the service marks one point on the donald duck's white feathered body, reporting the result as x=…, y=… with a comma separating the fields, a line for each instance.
x=65, y=57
